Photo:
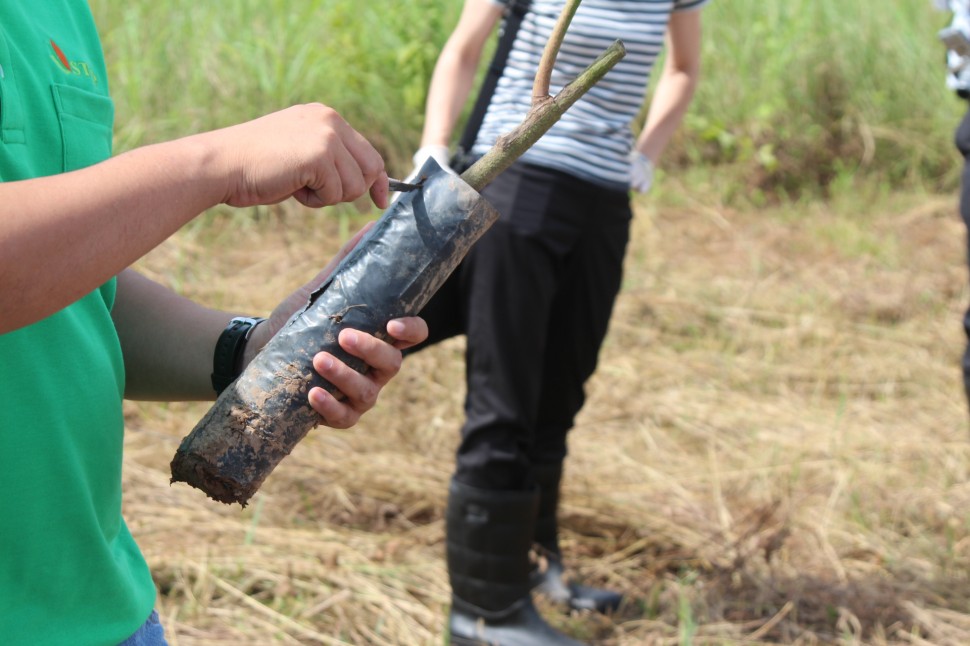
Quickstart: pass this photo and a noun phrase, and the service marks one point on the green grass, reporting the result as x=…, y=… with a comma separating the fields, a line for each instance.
x=809, y=92
x=798, y=98
x=182, y=66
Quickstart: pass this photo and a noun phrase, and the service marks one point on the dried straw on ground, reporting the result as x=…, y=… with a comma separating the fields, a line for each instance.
x=774, y=450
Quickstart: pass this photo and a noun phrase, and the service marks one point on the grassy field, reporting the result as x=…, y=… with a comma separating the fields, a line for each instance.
x=798, y=97
x=775, y=448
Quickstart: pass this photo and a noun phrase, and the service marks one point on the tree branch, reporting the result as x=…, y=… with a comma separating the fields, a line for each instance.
x=540, y=118
x=540, y=89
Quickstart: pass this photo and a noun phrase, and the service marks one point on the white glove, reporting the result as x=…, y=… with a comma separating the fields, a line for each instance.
x=641, y=172
x=439, y=153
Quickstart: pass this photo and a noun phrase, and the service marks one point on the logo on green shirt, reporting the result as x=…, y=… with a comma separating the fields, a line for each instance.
x=78, y=68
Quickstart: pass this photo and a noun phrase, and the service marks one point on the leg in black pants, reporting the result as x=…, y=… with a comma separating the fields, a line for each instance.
x=537, y=291
x=582, y=309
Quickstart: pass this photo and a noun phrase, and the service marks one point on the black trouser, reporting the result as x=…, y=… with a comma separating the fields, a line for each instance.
x=534, y=297
x=963, y=145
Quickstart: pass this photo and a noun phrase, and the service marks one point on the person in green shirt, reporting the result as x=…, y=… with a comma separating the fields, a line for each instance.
x=80, y=330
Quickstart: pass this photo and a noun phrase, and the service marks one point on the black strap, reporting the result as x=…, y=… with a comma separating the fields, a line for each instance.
x=510, y=25
x=227, y=358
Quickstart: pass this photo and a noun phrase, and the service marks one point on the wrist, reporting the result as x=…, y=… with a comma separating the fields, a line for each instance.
x=259, y=336
x=207, y=160
x=228, y=358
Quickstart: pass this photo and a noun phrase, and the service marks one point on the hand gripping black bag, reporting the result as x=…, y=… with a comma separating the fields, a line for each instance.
x=392, y=272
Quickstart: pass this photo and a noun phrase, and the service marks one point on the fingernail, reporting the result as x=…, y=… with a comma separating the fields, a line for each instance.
x=351, y=337
x=327, y=363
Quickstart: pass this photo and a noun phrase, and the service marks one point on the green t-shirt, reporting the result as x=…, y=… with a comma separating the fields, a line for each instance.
x=70, y=572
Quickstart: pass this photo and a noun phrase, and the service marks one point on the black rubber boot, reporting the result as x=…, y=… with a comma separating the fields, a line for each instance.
x=489, y=534
x=548, y=573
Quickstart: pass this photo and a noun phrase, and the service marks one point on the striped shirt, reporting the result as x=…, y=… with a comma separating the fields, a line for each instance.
x=593, y=139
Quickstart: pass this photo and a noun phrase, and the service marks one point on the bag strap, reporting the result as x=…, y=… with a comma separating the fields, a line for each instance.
x=510, y=26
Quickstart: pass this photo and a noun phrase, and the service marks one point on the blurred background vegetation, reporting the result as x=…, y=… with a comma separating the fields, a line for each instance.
x=799, y=98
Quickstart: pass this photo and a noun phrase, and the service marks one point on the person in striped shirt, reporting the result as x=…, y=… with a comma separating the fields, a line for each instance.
x=535, y=294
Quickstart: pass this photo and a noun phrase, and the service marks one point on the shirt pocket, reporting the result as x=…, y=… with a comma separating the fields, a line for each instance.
x=86, y=121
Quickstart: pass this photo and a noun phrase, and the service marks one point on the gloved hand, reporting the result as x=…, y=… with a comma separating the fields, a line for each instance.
x=439, y=153
x=641, y=172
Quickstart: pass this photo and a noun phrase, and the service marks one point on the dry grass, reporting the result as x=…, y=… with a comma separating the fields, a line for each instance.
x=774, y=450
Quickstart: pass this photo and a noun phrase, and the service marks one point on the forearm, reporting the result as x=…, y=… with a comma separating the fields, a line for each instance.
x=450, y=86
x=167, y=341
x=681, y=72
x=667, y=109
x=454, y=73
x=62, y=236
